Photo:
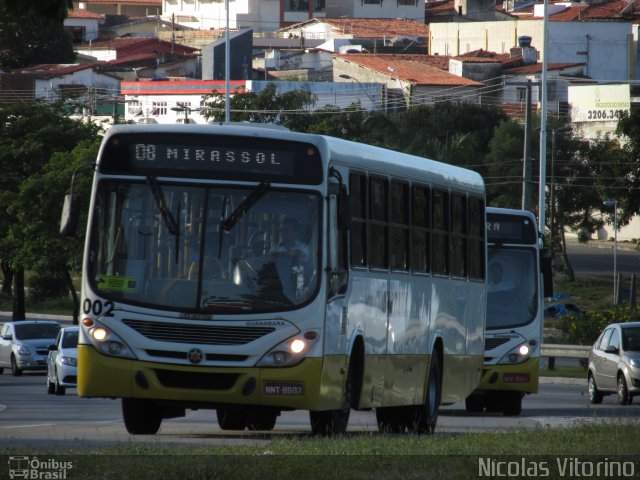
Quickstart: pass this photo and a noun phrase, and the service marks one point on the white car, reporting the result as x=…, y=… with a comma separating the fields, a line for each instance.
x=62, y=364
x=24, y=345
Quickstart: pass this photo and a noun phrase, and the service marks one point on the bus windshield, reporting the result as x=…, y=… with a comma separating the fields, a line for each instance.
x=512, y=287
x=173, y=246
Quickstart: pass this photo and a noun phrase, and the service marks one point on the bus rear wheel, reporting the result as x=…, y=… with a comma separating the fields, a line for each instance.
x=393, y=419
x=141, y=416
x=427, y=414
x=261, y=419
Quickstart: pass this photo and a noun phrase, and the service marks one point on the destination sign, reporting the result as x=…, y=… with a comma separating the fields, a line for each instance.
x=217, y=157
x=510, y=229
x=220, y=158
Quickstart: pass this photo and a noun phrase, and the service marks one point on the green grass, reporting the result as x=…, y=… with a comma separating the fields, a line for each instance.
x=54, y=306
x=586, y=293
x=366, y=456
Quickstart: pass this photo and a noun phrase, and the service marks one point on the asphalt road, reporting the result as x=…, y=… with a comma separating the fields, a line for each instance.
x=29, y=417
x=598, y=260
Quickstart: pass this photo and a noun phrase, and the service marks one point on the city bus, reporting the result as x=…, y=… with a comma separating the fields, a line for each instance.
x=518, y=279
x=191, y=299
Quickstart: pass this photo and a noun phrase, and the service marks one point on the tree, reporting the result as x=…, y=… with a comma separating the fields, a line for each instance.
x=29, y=36
x=30, y=133
x=37, y=208
x=289, y=109
x=55, y=10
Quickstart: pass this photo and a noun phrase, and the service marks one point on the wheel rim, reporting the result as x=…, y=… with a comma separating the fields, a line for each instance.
x=622, y=394
x=592, y=388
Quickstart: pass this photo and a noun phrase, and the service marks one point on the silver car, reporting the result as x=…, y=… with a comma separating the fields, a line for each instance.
x=24, y=345
x=62, y=365
x=614, y=363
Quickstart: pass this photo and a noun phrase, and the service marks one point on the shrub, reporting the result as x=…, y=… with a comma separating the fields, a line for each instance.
x=583, y=328
x=43, y=286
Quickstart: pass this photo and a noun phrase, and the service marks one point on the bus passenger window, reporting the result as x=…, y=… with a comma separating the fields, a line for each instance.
x=440, y=216
x=358, y=191
x=459, y=235
x=378, y=226
x=476, y=238
x=399, y=230
x=420, y=237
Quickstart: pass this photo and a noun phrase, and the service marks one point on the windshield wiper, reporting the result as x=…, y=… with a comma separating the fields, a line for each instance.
x=167, y=216
x=247, y=203
x=172, y=225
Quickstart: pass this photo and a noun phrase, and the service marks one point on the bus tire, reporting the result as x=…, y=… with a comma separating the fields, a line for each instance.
x=392, y=419
x=335, y=422
x=512, y=404
x=427, y=414
x=141, y=416
x=474, y=403
x=261, y=419
x=231, y=418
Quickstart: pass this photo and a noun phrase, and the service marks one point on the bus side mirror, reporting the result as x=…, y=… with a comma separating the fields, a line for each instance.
x=70, y=214
x=546, y=268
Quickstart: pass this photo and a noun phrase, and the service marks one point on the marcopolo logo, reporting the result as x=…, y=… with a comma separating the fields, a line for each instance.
x=34, y=468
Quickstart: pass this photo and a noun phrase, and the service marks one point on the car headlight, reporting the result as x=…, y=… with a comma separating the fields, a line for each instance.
x=519, y=354
x=69, y=361
x=290, y=352
x=106, y=341
x=634, y=362
x=22, y=350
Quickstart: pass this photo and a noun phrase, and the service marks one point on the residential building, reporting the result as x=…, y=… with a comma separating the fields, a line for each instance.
x=83, y=25
x=269, y=15
x=603, y=45
x=133, y=8
x=241, y=51
x=410, y=80
x=124, y=47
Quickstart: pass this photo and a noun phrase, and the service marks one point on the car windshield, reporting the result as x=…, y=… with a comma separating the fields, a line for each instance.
x=205, y=249
x=631, y=339
x=34, y=331
x=70, y=340
x=512, y=285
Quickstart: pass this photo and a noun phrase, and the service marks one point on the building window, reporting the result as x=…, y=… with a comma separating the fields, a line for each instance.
x=134, y=107
x=408, y=2
x=296, y=5
x=319, y=5
x=158, y=108
x=372, y=2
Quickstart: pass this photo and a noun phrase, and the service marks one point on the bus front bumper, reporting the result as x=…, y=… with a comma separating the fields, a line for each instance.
x=313, y=384
x=522, y=377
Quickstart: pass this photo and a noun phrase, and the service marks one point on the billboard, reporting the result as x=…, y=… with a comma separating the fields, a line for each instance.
x=599, y=103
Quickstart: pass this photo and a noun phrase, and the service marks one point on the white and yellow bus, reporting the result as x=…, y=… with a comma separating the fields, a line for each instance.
x=517, y=275
x=191, y=298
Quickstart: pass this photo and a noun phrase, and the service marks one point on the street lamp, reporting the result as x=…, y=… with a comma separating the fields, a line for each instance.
x=552, y=200
x=349, y=77
x=614, y=204
x=393, y=70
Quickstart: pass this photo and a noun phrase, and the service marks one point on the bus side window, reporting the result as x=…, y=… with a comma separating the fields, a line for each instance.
x=440, y=217
x=476, y=238
x=459, y=262
x=358, y=195
x=378, y=222
x=399, y=226
x=420, y=228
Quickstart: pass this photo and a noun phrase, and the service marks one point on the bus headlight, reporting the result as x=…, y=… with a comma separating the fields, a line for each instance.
x=519, y=354
x=107, y=342
x=290, y=352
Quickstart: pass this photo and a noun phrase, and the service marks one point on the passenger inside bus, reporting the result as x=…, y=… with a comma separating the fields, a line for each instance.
x=289, y=242
x=497, y=282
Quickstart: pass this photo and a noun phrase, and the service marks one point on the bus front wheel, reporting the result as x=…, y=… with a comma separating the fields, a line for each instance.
x=334, y=422
x=141, y=416
x=512, y=404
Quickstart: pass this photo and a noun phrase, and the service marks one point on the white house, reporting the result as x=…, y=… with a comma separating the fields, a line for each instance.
x=602, y=46
x=83, y=25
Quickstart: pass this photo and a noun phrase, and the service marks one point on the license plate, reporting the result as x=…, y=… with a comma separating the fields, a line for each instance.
x=516, y=378
x=284, y=388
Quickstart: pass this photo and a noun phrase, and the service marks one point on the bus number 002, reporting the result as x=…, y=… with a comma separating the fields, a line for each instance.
x=97, y=307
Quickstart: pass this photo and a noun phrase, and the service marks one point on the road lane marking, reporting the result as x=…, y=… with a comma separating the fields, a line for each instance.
x=30, y=426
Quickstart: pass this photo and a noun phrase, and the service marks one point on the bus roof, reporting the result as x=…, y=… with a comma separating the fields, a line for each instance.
x=353, y=154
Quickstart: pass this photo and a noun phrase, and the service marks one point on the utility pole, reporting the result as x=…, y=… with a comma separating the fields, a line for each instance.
x=173, y=33
x=527, y=190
